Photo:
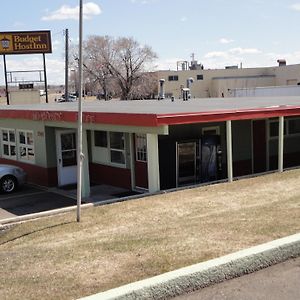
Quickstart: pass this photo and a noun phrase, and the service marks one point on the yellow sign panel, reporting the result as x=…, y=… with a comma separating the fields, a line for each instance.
x=25, y=42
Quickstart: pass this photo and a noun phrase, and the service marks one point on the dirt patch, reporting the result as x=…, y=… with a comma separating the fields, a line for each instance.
x=124, y=242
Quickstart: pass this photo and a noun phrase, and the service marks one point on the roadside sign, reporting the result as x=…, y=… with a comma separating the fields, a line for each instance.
x=25, y=42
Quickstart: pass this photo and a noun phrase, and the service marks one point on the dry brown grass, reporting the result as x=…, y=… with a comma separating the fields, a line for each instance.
x=56, y=258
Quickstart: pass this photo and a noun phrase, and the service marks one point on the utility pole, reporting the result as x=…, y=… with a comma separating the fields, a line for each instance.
x=67, y=65
x=80, y=155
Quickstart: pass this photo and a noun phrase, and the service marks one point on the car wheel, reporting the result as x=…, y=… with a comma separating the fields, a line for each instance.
x=8, y=184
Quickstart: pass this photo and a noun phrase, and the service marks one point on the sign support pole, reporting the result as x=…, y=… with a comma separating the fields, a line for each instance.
x=45, y=77
x=6, y=84
x=67, y=64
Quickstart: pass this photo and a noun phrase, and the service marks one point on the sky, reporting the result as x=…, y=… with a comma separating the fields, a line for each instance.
x=218, y=32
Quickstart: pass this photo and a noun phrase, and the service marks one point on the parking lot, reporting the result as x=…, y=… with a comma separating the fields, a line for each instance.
x=30, y=200
x=33, y=199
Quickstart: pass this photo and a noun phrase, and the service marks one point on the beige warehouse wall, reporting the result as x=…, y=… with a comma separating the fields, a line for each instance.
x=287, y=75
x=218, y=80
x=24, y=97
x=219, y=86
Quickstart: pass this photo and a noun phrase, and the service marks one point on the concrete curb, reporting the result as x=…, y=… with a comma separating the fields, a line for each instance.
x=197, y=276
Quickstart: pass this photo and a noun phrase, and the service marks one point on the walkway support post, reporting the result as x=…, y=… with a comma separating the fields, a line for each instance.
x=153, y=163
x=86, y=186
x=280, y=144
x=132, y=161
x=229, y=150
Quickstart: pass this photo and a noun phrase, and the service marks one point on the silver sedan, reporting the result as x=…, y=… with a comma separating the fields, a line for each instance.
x=11, y=177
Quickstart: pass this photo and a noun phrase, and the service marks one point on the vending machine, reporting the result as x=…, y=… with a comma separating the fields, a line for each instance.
x=198, y=160
x=210, y=158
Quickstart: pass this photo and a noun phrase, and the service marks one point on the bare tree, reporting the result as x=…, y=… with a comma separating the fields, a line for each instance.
x=123, y=60
x=94, y=64
x=146, y=87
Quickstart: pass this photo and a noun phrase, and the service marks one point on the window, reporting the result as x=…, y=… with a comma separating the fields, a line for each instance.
x=291, y=127
x=100, y=138
x=109, y=147
x=8, y=139
x=26, y=145
x=141, y=147
x=173, y=78
x=294, y=126
x=68, y=149
x=199, y=77
x=273, y=129
x=117, y=147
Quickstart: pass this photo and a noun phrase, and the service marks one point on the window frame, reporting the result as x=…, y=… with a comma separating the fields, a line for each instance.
x=9, y=144
x=288, y=127
x=173, y=78
x=122, y=151
x=94, y=135
x=141, y=147
x=287, y=133
x=25, y=145
x=108, y=150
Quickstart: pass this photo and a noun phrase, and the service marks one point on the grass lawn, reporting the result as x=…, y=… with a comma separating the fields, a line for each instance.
x=57, y=258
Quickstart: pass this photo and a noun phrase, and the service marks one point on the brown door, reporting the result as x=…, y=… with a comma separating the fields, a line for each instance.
x=141, y=166
x=259, y=146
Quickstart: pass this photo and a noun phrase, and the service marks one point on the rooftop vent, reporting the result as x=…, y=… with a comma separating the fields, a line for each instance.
x=161, y=89
x=281, y=62
x=186, y=94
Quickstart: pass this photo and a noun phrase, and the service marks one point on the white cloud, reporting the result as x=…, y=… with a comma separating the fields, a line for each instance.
x=56, y=44
x=240, y=50
x=66, y=12
x=249, y=57
x=216, y=54
x=183, y=19
x=167, y=64
x=143, y=1
x=225, y=41
x=291, y=58
x=231, y=53
x=54, y=68
x=295, y=6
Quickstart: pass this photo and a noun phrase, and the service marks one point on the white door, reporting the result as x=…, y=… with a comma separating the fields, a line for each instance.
x=66, y=157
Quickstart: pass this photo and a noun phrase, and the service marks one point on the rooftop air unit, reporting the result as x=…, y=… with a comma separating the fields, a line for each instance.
x=161, y=89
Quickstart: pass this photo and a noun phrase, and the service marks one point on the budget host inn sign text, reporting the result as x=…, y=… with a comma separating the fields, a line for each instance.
x=25, y=42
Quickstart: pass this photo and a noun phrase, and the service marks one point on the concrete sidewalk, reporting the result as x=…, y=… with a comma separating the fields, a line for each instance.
x=204, y=274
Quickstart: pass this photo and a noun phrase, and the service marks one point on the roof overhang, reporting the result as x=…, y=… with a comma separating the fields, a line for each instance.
x=158, y=113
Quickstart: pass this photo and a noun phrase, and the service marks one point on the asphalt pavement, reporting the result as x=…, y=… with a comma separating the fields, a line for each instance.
x=31, y=199
x=278, y=282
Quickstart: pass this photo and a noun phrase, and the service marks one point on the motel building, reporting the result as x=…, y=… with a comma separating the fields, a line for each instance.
x=152, y=145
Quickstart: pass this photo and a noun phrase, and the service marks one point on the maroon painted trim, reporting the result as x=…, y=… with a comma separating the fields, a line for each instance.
x=141, y=174
x=100, y=174
x=88, y=117
x=35, y=174
x=219, y=116
x=151, y=120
